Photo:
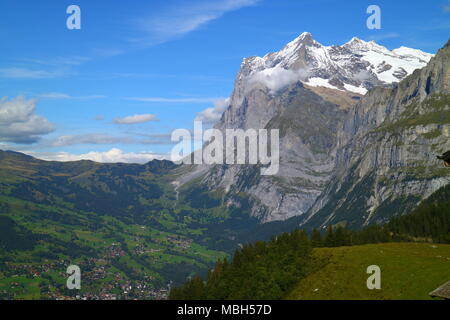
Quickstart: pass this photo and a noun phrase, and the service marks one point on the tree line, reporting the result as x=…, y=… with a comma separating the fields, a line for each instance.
x=269, y=269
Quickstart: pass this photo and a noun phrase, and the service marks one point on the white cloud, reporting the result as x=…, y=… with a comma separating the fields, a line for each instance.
x=175, y=100
x=58, y=61
x=54, y=95
x=186, y=17
x=138, y=118
x=447, y=7
x=156, y=138
x=59, y=95
x=277, y=77
x=107, y=139
x=24, y=73
x=112, y=156
x=70, y=61
x=89, y=138
x=212, y=115
x=19, y=123
x=51, y=67
x=45, y=68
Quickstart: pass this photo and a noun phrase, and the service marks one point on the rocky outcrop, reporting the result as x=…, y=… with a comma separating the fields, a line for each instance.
x=386, y=159
x=308, y=137
x=331, y=138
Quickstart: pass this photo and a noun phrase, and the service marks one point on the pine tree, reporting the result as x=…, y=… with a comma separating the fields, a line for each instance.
x=329, y=237
x=316, y=238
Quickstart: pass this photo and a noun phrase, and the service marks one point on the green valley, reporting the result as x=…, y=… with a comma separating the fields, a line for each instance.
x=118, y=222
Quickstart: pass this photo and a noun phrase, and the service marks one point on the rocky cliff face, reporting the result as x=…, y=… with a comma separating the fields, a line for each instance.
x=386, y=159
x=307, y=125
x=308, y=92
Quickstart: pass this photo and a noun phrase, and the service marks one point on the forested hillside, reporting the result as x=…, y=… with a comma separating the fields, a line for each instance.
x=270, y=270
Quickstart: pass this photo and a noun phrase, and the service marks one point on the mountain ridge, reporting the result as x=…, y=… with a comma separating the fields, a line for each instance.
x=355, y=66
x=395, y=132
x=309, y=149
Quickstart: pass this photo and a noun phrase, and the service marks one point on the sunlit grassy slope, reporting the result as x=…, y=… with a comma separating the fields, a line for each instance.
x=408, y=271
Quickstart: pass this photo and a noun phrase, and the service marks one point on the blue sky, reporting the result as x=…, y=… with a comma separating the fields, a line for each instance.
x=139, y=69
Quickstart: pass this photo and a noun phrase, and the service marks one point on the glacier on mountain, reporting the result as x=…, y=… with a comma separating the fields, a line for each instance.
x=355, y=66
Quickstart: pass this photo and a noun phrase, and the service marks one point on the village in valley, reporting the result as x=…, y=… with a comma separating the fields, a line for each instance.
x=101, y=277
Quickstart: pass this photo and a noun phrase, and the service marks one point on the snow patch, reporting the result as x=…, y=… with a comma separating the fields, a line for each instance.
x=352, y=88
x=320, y=82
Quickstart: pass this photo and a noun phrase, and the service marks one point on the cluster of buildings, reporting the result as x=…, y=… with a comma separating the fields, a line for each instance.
x=98, y=281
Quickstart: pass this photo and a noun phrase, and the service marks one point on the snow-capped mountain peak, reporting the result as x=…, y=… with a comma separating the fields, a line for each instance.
x=355, y=41
x=305, y=35
x=413, y=53
x=355, y=66
x=360, y=45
